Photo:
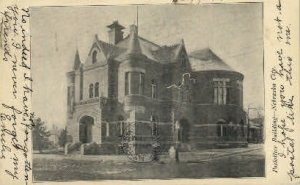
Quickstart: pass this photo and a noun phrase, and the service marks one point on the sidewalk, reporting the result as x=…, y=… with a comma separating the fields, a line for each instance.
x=211, y=154
x=194, y=156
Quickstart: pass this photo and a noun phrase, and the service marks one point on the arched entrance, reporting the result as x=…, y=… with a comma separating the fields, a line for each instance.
x=85, y=129
x=183, y=132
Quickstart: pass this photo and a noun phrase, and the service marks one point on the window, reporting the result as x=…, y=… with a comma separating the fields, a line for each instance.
x=69, y=96
x=107, y=129
x=121, y=125
x=221, y=91
x=91, y=89
x=97, y=89
x=94, y=57
x=134, y=83
x=127, y=83
x=154, y=125
x=142, y=84
x=153, y=89
x=222, y=130
x=240, y=89
x=81, y=84
x=103, y=129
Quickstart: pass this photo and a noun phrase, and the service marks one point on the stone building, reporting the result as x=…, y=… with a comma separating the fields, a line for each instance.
x=190, y=100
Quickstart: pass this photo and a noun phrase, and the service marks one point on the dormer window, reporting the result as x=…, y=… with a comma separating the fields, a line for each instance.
x=94, y=57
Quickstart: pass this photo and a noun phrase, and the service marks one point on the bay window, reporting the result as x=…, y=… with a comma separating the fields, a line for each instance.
x=134, y=83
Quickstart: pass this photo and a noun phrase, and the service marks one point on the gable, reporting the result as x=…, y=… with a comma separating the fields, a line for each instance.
x=96, y=55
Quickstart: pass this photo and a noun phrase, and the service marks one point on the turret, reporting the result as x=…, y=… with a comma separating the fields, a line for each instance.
x=77, y=61
x=134, y=45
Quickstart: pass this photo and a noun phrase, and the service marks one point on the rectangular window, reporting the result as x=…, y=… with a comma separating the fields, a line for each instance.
x=228, y=93
x=127, y=83
x=215, y=92
x=221, y=91
x=142, y=83
x=81, y=86
x=154, y=129
x=154, y=91
x=107, y=129
x=134, y=83
x=69, y=96
x=103, y=129
x=240, y=91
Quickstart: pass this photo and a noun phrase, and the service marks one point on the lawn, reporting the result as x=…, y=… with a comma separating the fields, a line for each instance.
x=68, y=169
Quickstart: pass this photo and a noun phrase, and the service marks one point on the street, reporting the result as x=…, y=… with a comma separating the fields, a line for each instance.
x=243, y=162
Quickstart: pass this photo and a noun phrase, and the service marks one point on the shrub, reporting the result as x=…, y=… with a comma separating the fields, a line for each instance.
x=92, y=149
x=74, y=147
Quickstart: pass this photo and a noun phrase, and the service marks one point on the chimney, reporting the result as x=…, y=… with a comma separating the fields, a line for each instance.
x=115, y=33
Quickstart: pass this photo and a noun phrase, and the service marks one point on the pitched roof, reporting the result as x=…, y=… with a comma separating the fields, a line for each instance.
x=167, y=54
x=206, y=60
x=133, y=43
x=143, y=46
x=110, y=50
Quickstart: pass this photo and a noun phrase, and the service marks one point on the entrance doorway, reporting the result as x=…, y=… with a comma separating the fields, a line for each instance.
x=184, y=130
x=85, y=129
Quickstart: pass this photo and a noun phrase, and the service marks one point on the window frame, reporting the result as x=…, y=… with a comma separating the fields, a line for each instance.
x=221, y=88
x=97, y=89
x=94, y=57
x=153, y=89
x=91, y=90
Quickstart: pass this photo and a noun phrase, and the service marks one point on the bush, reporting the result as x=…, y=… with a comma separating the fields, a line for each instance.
x=92, y=149
x=108, y=149
x=74, y=147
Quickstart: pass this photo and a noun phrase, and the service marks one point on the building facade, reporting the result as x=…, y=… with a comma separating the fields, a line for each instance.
x=159, y=93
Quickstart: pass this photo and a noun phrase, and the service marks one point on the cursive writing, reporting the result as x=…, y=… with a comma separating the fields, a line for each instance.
x=16, y=116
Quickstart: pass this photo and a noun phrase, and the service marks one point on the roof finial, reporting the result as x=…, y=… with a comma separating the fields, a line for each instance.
x=77, y=61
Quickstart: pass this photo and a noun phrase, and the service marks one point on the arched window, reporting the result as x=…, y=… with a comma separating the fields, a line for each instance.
x=97, y=89
x=221, y=127
x=154, y=121
x=94, y=59
x=153, y=89
x=91, y=89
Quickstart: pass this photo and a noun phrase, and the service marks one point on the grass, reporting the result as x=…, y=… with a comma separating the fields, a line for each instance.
x=67, y=169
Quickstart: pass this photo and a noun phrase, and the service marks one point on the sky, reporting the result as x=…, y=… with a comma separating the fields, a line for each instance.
x=233, y=31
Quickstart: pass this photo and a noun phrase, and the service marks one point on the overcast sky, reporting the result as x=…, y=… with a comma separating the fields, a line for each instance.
x=233, y=32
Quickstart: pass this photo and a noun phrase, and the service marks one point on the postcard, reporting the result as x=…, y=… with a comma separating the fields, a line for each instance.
x=133, y=92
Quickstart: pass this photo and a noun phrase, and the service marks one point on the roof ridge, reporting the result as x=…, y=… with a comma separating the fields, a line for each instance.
x=148, y=41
